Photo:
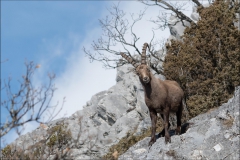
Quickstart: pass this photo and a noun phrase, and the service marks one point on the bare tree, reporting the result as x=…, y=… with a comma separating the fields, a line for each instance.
x=167, y=9
x=56, y=142
x=117, y=26
x=173, y=8
x=28, y=103
x=115, y=30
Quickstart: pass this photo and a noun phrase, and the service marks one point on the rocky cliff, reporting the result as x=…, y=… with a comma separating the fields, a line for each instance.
x=110, y=115
x=89, y=133
x=213, y=135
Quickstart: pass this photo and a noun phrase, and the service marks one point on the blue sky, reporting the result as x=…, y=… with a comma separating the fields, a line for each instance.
x=47, y=33
x=52, y=34
x=29, y=27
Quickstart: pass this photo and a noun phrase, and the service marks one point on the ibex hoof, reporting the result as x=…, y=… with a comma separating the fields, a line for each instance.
x=150, y=144
x=178, y=130
x=167, y=139
x=152, y=141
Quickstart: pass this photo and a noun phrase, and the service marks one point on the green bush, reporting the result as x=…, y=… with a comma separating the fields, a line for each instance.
x=206, y=62
x=59, y=135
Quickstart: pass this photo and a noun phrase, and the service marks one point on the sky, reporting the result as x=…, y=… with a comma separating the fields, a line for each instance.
x=52, y=34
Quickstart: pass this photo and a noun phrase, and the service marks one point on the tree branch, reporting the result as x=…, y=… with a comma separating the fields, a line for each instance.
x=29, y=103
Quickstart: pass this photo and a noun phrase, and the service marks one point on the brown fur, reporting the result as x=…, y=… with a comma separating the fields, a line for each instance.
x=160, y=96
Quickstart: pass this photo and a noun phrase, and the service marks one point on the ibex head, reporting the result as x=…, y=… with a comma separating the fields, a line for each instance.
x=142, y=70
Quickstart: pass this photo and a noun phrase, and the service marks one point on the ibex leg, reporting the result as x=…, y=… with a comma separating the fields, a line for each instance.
x=153, y=115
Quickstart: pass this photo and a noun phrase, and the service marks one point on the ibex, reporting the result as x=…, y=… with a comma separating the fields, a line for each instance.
x=160, y=96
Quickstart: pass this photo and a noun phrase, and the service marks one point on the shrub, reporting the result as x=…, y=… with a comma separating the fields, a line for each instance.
x=206, y=62
x=56, y=144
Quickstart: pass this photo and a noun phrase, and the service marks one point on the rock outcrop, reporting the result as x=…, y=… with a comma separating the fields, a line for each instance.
x=111, y=114
x=213, y=135
x=104, y=120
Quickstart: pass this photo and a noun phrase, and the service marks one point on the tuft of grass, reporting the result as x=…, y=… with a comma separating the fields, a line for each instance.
x=228, y=122
x=171, y=153
x=10, y=153
x=58, y=136
x=6, y=151
x=52, y=141
x=212, y=109
x=125, y=143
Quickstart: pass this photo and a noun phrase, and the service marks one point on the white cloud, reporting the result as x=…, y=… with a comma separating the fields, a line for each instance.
x=80, y=81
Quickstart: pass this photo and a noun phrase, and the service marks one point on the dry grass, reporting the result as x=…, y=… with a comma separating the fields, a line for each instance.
x=228, y=122
x=58, y=137
x=129, y=140
x=171, y=153
x=212, y=109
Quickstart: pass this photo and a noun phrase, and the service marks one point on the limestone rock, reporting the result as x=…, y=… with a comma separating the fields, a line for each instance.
x=213, y=135
x=104, y=120
x=109, y=115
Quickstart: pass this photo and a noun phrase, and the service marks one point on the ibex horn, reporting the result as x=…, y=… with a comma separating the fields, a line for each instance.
x=129, y=59
x=143, y=61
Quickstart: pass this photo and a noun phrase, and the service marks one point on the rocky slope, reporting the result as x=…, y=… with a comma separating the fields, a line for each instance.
x=104, y=120
x=213, y=135
x=111, y=114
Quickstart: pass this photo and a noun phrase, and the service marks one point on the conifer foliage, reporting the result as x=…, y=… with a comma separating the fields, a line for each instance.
x=206, y=62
